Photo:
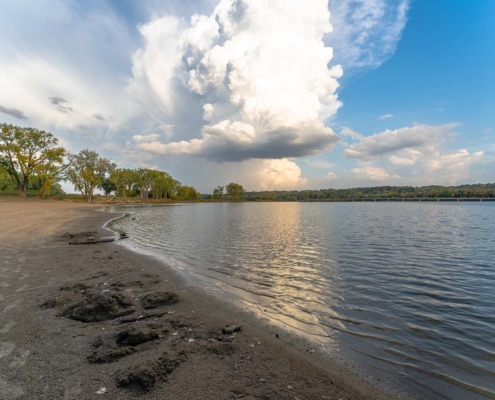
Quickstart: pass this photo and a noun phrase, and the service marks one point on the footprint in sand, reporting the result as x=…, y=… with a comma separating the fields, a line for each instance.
x=7, y=327
x=20, y=359
x=8, y=392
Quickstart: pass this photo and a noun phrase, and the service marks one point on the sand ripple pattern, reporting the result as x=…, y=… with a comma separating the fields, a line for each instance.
x=409, y=284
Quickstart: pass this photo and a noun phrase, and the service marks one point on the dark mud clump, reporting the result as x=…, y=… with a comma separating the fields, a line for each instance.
x=106, y=306
x=136, y=335
x=157, y=299
x=143, y=378
x=109, y=355
x=148, y=374
x=64, y=303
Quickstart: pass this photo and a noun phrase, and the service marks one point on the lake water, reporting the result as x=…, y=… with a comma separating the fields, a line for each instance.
x=410, y=285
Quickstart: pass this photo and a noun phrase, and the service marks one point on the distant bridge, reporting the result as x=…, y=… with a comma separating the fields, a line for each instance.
x=360, y=200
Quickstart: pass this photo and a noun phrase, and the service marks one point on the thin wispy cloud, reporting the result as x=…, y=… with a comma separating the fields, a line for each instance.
x=366, y=32
x=386, y=116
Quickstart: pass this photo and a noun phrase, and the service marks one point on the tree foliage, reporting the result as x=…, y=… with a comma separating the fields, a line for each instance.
x=235, y=191
x=87, y=172
x=218, y=192
x=26, y=152
x=187, y=193
x=392, y=192
x=6, y=183
x=124, y=182
x=143, y=182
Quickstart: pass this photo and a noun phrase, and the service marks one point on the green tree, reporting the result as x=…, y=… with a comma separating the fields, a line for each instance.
x=188, y=193
x=51, y=170
x=6, y=183
x=218, y=192
x=125, y=180
x=235, y=191
x=163, y=186
x=108, y=186
x=26, y=151
x=87, y=171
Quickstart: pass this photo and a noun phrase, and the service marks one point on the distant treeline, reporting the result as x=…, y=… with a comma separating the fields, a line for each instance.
x=462, y=191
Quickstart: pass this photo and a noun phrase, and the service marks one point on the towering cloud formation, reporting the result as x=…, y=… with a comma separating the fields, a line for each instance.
x=255, y=72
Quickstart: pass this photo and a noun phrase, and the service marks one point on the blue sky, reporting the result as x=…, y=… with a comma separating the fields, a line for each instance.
x=251, y=92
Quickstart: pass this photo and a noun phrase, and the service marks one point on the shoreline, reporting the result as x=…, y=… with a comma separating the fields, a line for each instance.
x=45, y=354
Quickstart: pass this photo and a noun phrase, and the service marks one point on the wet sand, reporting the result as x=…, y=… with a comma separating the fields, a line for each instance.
x=175, y=350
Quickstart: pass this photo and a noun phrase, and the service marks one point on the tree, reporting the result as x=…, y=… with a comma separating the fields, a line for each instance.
x=218, y=192
x=6, y=183
x=125, y=181
x=25, y=151
x=87, y=172
x=51, y=170
x=145, y=181
x=163, y=186
x=108, y=186
x=235, y=191
x=188, y=193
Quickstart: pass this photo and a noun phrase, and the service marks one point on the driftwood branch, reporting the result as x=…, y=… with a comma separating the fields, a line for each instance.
x=93, y=241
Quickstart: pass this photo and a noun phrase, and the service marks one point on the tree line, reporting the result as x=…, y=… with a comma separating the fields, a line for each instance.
x=462, y=191
x=233, y=191
x=30, y=159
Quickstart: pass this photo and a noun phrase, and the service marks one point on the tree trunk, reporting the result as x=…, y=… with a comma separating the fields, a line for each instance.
x=23, y=191
x=90, y=193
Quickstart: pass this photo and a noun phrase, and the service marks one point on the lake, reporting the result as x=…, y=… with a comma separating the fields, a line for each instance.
x=409, y=286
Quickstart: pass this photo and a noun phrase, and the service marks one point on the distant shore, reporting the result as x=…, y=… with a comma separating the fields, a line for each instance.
x=173, y=351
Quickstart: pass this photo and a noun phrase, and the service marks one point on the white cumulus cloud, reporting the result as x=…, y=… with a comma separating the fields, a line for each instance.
x=279, y=174
x=258, y=71
x=390, y=142
x=418, y=153
x=374, y=173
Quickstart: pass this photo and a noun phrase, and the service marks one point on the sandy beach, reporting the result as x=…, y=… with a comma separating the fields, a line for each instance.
x=100, y=321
